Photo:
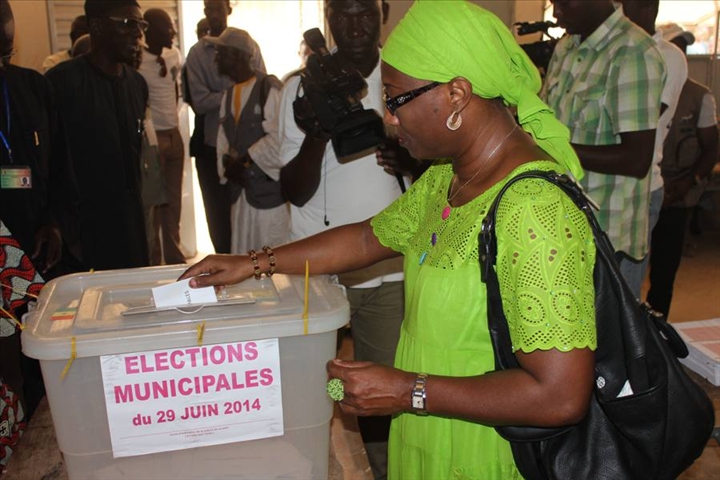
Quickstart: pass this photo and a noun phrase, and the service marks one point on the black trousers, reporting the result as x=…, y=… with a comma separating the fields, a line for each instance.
x=666, y=249
x=216, y=199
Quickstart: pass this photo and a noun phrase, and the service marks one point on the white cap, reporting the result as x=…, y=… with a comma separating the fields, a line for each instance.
x=234, y=38
x=673, y=30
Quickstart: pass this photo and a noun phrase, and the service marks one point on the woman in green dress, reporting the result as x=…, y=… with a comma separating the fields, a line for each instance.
x=452, y=73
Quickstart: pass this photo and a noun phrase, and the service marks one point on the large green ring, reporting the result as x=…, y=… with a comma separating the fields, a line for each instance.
x=336, y=389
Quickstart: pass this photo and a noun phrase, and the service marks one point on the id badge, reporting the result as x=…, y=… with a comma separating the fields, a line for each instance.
x=14, y=177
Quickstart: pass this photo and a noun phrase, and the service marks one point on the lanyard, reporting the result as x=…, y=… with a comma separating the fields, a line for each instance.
x=7, y=116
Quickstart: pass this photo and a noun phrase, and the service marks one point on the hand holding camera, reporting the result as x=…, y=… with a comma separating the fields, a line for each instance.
x=395, y=159
x=331, y=105
x=235, y=164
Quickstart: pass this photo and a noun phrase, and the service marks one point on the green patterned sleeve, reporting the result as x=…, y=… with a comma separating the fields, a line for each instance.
x=545, y=263
x=397, y=224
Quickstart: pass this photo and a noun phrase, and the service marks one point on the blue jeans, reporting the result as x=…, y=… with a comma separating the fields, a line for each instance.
x=634, y=270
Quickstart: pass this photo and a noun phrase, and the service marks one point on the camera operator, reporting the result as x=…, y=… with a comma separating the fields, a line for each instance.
x=540, y=52
x=327, y=192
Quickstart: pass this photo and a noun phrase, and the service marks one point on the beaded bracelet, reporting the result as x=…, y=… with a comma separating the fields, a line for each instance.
x=271, y=257
x=256, y=264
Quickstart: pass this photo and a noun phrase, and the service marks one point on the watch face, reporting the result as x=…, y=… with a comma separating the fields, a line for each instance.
x=418, y=403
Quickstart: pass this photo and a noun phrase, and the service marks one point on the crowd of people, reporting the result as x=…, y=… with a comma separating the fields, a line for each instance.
x=92, y=168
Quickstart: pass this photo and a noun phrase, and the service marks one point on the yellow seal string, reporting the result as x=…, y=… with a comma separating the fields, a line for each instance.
x=307, y=289
x=73, y=356
x=200, y=333
x=12, y=319
x=19, y=292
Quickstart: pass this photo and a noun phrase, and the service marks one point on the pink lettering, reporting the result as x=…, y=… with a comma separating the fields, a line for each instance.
x=235, y=384
x=131, y=365
x=142, y=391
x=251, y=378
x=235, y=352
x=181, y=386
x=251, y=352
x=161, y=361
x=193, y=355
x=217, y=355
x=222, y=383
x=123, y=394
x=208, y=382
x=144, y=367
x=266, y=377
x=177, y=364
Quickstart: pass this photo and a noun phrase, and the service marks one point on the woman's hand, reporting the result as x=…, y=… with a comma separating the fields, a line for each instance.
x=219, y=270
x=372, y=389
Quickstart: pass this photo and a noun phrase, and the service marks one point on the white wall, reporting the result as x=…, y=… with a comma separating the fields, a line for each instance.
x=32, y=33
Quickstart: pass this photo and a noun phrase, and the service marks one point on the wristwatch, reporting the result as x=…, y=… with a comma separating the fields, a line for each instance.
x=419, y=395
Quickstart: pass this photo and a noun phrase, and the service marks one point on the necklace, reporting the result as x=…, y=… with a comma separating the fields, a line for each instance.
x=446, y=211
x=494, y=151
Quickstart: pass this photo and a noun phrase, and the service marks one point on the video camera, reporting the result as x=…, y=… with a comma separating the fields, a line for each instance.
x=332, y=102
x=539, y=52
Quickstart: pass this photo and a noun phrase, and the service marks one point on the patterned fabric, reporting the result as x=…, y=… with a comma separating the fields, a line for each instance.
x=12, y=423
x=609, y=84
x=18, y=277
x=546, y=256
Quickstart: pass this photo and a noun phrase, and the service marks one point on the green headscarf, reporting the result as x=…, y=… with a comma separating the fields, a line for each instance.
x=441, y=40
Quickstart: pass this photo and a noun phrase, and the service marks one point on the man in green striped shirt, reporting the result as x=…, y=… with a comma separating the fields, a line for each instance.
x=605, y=82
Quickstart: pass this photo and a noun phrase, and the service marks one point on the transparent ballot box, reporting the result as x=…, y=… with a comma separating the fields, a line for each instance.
x=231, y=389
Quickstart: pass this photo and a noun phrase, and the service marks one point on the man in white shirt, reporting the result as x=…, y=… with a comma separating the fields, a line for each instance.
x=690, y=153
x=78, y=28
x=161, y=65
x=326, y=191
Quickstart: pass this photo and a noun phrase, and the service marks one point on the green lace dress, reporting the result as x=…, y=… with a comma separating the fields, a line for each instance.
x=545, y=265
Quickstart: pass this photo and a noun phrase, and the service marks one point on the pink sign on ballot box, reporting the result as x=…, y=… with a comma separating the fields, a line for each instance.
x=165, y=400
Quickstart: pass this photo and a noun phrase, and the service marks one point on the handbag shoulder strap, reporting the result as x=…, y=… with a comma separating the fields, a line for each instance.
x=611, y=290
x=487, y=244
x=488, y=241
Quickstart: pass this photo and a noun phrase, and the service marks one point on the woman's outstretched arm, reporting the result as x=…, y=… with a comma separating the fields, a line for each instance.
x=342, y=249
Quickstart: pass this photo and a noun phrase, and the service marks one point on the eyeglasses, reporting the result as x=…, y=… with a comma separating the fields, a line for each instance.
x=131, y=23
x=163, y=68
x=394, y=103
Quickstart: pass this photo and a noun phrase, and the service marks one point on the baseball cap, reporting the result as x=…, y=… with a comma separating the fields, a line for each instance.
x=234, y=38
x=673, y=30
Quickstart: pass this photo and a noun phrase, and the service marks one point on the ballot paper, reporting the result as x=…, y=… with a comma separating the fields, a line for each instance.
x=180, y=293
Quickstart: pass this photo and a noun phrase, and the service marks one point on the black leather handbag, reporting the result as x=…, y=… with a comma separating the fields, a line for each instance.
x=654, y=433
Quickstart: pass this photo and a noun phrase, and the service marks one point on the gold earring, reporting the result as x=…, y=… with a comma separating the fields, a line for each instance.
x=454, y=124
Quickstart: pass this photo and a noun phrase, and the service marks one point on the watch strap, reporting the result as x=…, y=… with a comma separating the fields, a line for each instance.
x=419, y=395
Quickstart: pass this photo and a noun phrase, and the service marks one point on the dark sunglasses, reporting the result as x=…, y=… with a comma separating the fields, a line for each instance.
x=131, y=23
x=394, y=103
x=163, y=68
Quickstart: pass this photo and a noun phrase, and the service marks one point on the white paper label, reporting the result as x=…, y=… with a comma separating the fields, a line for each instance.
x=192, y=397
x=180, y=293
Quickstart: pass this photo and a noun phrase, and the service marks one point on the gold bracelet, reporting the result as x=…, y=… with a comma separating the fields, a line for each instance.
x=256, y=264
x=271, y=257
